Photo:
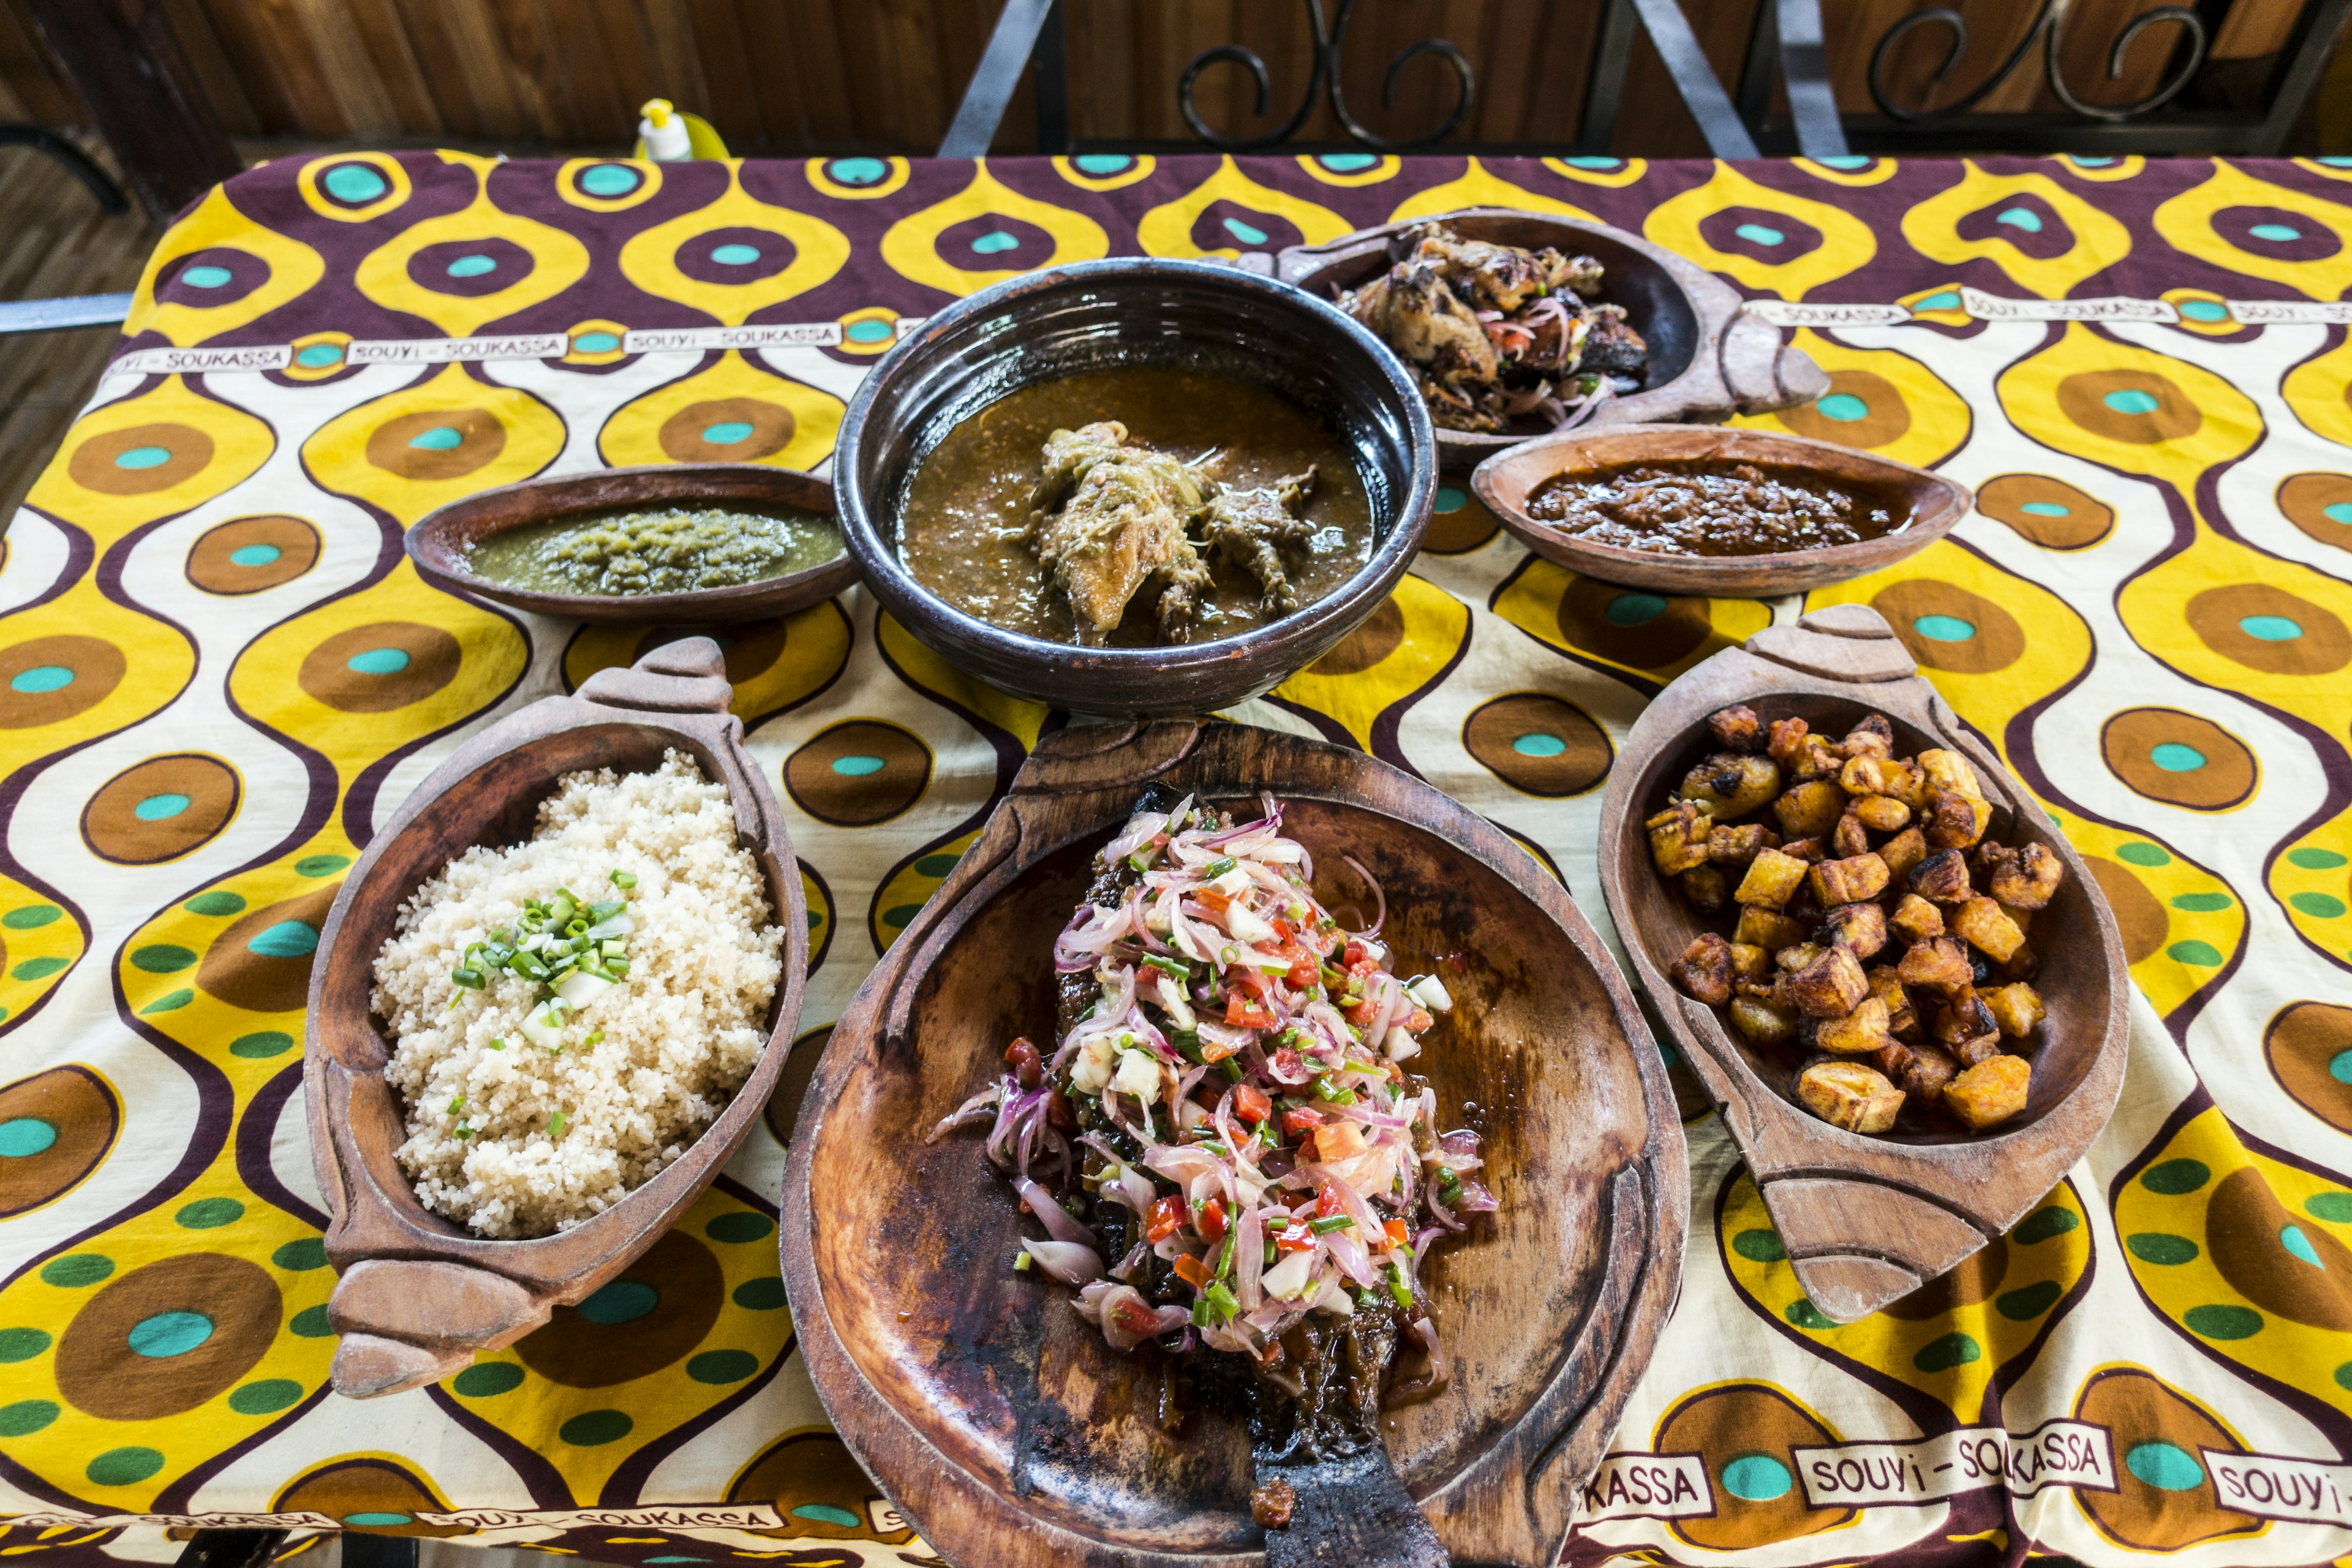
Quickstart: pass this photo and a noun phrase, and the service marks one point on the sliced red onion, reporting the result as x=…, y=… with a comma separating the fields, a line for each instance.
x=1055, y=1218
x=1067, y=1261
x=1380, y=915
x=1249, y=1258
x=1365, y=1114
x=1140, y=829
x=972, y=1111
x=1349, y=1255
x=1225, y=1037
x=1476, y=1199
x=1439, y=1372
x=1089, y=1300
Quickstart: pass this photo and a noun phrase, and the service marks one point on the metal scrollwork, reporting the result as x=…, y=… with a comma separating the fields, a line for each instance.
x=1324, y=79
x=2048, y=30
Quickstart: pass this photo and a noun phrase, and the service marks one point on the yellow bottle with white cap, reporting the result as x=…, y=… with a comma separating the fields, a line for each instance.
x=668, y=134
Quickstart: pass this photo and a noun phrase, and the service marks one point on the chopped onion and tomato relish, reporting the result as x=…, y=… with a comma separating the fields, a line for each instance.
x=1230, y=1090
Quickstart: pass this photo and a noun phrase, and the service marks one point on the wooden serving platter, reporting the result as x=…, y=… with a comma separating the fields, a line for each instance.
x=996, y=1418
x=1709, y=359
x=418, y=1296
x=1867, y=1220
x=1504, y=481
x=438, y=543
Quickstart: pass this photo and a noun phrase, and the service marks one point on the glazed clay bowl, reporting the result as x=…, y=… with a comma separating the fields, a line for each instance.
x=1097, y=315
x=1708, y=358
x=439, y=543
x=1504, y=482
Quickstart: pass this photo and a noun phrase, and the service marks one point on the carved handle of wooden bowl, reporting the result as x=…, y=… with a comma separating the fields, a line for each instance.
x=1761, y=373
x=409, y=1322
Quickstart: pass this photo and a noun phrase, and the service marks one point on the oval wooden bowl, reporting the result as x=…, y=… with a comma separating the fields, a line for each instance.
x=1867, y=1220
x=438, y=543
x=1504, y=481
x=1709, y=359
x=1001, y=1423
x=1129, y=311
x=418, y=1296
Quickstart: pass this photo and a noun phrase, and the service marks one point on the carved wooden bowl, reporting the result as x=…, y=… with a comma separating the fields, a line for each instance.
x=1867, y=1220
x=438, y=543
x=418, y=1295
x=1708, y=358
x=1504, y=481
x=996, y=1418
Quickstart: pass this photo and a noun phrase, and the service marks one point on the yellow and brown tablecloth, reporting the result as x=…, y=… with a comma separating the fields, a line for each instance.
x=218, y=674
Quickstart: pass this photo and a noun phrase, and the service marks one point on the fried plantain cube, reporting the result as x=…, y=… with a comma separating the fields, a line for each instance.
x=1962, y=1017
x=1828, y=987
x=1950, y=819
x=1861, y=927
x=1849, y=837
x=1850, y=1095
x=1678, y=838
x=1750, y=962
x=1886, y=985
x=1729, y=784
x=1942, y=877
x=1785, y=740
x=1859, y=1033
x=1917, y=920
x=1981, y=922
x=2016, y=1008
x=1766, y=1023
x=1906, y=781
x=1894, y=1060
x=1705, y=969
x=1738, y=846
x=1863, y=775
x=1760, y=927
x=1791, y=959
x=1950, y=770
x=1810, y=810
x=2026, y=877
x=1991, y=1092
x=1873, y=736
x=1903, y=851
x=1881, y=814
x=1707, y=887
x=1852, y=881
x=1736, y=728
x=1930, y=1070
x=2022, y=919
x=2022, y=964
x=1806, y=849
x=1938, y=963
x=1803, y=907
x=1771, y=877
x=1816, y=759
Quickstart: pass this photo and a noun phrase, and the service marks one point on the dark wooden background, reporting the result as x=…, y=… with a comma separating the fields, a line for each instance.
x=787, y=76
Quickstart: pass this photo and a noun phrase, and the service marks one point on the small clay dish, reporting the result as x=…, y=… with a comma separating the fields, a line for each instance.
x=1866, y=1221
x=1002, y=1426
x=1134, y=311
x=1709, y=359
x=417, y=1296
x=1504, y=482
x=439, y=543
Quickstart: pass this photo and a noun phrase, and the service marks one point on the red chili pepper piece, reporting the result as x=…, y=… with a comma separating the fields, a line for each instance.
x=1251, y=1104
x=1209, y=1219
x=1167, y=1219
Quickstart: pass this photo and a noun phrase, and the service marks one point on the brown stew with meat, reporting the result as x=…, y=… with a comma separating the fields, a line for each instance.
x=1136, y=507
x=1715, y=506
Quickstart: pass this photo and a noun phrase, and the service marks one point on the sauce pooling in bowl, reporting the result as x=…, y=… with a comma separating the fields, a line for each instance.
x=964, y=525
x=1712, y=506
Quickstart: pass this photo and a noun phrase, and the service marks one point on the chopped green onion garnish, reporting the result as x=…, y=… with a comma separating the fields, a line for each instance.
x=624, y=879
x=462, y=1131
x=1449, y=1186
x=1021, y=1262
x=497, y=1043
x=1336, y=1222
x=1221, y=1300
x=456, y=1104
x=1218, y=867
x=471, y=979
x=1232, y=1068
x=1399, y=1287
x=595, y=1038
x=1169, y=965
x=1139, y=861
x=1204, y=1314
x=555, y=1124
x=1326, y=1091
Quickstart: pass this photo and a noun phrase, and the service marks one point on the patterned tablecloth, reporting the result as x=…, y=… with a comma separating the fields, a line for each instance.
x=218, y=673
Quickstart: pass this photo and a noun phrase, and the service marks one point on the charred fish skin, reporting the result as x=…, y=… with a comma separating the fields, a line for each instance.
x=1351, y=1511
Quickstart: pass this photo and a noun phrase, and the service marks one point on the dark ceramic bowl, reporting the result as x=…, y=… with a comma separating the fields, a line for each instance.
x=1096, y=314
x=438, y=543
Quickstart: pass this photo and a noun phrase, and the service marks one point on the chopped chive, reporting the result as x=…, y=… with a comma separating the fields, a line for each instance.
x=1168, y=965
x=556, y=1124
x=595, y=1038
x=1399, y=1287
x=625, y=879
x=456, y=1104
x=1218, y=867
x=497, y=1042
x=1221, y=1300
x=462, y=1131
x=1021, y=1263
x=1233, y=1069
x=1336, y=1222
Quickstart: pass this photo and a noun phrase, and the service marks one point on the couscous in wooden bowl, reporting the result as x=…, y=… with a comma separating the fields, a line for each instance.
x=418, y=1296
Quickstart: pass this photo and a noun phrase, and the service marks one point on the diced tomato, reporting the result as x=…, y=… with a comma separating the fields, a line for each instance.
x=1250, y=1102
x=1337, y=1141
x=1298, y=1239
x=1028, y=1068
x=1210, y=899
x=1359, y=1013
x=1058, y=1113
x=1193, y=1272
x=1209, y=1219
x=1351, y=955
x=1397, y=1233
x=1136, y=1318
x=1302, y=1119
x=1213, y=1053
x=1167, y=1219
x=1281, y=928
x=1252, y=981
x=1240, y=1015
x=1327, y=1203
x=1287, y=1064
x=1419, y=1021
x=1303, y=974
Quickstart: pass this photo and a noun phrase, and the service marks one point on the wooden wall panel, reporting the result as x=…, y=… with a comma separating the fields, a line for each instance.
x=811, y=76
